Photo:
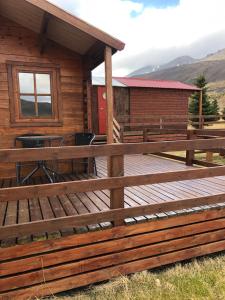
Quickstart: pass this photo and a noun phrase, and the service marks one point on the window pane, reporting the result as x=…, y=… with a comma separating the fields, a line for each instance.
x=28, y=106
x=26, y=81
x=44, y=106
x=43, y=84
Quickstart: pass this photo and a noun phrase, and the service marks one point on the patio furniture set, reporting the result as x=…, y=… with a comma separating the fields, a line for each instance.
x=40, y=140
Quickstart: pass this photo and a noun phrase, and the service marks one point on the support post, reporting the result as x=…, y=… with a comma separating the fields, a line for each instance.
x=201, y=125
x=109, y=93
x=190, y=154
x=209, y=156
x=117, y=195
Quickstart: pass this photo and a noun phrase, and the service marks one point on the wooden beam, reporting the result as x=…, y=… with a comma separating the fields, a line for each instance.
x=68, y=152
x=190, y=154
x=24, y=192
x=109, y=93
x=78, y=24
x=43, y=36
x=117, y=195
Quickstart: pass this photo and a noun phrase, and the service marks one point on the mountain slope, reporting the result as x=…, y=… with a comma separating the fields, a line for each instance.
x=182, y=60
x=214, y=70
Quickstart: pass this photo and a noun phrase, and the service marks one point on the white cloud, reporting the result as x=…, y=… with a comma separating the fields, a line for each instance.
x=152, y=30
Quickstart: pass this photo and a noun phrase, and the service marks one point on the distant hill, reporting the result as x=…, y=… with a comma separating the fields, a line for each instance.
x=213, y=70
x=186, y=69
x=179, y=61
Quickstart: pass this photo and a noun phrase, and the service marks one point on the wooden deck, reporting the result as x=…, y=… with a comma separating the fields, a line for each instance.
x=29, y=210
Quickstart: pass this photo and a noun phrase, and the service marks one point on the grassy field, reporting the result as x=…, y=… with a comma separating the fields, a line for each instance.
x=202, y=279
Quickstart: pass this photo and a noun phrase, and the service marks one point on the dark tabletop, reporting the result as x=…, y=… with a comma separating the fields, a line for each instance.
x=39, y=138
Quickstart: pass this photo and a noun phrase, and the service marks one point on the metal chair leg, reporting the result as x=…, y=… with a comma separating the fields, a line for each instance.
x=18, y=173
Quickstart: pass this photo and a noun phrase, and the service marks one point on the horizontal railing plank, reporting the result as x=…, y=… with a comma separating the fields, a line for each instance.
x=68, y=152
x=23, y=192
x=105, y=216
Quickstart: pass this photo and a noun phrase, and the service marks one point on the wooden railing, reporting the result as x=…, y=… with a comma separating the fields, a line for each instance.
x=116, y=131
x=116, y=183
x=140, y=125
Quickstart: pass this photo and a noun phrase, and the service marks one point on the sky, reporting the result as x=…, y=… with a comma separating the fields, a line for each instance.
x=154, y=31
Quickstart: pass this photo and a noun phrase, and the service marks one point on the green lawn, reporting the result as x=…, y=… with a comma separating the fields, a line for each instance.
x=202, y=279
x=202, y=156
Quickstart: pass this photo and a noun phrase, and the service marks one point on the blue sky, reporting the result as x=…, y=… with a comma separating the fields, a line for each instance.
x=154, y=31
x=158, y=3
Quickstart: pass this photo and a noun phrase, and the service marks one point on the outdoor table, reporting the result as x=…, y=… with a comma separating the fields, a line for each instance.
x=41, y=164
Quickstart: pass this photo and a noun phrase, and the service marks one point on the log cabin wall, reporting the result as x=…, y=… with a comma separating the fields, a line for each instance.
x=22, y=45
x=159, y=102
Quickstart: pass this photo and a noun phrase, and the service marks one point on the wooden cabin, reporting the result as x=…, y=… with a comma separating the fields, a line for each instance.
x=136, y=97
x=60, y=236
x=46, y=60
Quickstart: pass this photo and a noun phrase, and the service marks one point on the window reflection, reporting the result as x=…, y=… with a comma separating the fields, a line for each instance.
x=28, y=106
x=26, y=81
x=44, y=106
x=43, y=83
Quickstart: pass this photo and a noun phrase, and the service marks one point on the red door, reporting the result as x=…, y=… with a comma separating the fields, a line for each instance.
x=102, y=110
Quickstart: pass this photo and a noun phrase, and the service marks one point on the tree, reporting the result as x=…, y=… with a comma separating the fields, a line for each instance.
x=223, y=112
x=215, y=110
x=209, y=107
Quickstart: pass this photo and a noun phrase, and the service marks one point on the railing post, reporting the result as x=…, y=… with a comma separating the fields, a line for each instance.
x=121, y=133
x=190, y=154
x=116, y=168
x=145, y=135
x=209, y=156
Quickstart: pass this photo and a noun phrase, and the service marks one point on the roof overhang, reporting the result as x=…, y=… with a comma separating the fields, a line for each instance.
x=44, y=18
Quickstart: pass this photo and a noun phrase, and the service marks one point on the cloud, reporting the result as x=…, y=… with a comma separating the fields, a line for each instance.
x=155, y=35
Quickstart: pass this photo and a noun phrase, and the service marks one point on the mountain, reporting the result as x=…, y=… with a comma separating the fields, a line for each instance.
x=212, y=66
x=179, y=61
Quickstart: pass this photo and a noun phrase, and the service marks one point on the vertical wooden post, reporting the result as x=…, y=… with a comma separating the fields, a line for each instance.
x=121, y=133
x=109, y=93
x=89, y=105
x=145, y=135
x=190, y=153
x=200, y=111
x=117, y=195
x=209, y=156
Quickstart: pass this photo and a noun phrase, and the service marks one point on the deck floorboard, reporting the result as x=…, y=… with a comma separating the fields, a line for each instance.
x=27, y=210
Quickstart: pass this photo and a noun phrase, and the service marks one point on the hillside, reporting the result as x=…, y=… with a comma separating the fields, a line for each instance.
x=213, y=70
x=182, y=60
x=212, y=66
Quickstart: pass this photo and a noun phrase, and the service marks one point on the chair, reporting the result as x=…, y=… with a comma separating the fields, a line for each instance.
x=82, y=139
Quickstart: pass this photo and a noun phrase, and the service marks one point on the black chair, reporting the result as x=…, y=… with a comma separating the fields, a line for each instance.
x=82, y=139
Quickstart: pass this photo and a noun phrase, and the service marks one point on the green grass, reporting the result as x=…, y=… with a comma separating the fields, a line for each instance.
x=202, y=156
x=203, y=279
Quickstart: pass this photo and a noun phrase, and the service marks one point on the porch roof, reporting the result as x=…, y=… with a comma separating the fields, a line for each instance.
x=52, y=22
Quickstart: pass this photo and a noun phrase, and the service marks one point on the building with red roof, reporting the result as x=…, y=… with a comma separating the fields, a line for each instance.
x=140, y=97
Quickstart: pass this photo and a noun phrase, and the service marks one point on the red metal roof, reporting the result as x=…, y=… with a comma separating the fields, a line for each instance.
x=161, y=84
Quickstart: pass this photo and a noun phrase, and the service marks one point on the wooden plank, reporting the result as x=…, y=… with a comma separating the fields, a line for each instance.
x=15, y=193
x=108, y=273
x=190, y=154
x=114, y=233
x=106, y=216
x=116, y=245
x=116, y=195
x=68, y=152
x=10, y=217
x=94, y=263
